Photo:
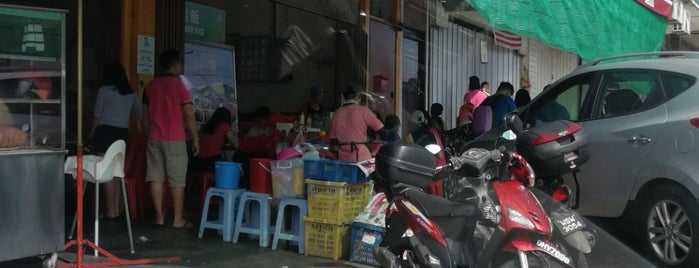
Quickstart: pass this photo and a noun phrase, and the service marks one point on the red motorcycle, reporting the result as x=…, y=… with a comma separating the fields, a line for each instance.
x=425, y=230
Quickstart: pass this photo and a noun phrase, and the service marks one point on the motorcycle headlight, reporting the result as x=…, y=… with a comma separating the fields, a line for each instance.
x=517, y=217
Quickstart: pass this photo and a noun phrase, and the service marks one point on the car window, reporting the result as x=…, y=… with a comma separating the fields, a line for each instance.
x=674, y=84
x=628, y=91
x=563, y=102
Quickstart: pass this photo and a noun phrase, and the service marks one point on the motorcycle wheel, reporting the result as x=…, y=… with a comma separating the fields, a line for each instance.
x=511, y=260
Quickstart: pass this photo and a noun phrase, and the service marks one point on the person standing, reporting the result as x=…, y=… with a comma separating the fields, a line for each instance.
x=349, y=124
x=113, y=106
x=167, y=106
x=474, y=95
x=522, y=97
x=501, y=102
x=313, y=109
x=436, y=117
x=485, y=86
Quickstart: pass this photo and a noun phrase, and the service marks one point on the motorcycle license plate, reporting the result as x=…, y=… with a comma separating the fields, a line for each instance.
x=567, y=222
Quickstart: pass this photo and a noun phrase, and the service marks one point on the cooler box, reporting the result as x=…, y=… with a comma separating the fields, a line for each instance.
x=287, y=178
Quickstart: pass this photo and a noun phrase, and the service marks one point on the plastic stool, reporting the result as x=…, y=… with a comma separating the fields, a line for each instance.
x=296, y=233
x=226, y=211
x=254, y=211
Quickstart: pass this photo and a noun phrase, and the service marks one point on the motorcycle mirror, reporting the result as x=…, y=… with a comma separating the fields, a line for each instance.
x=513, y=122
x=433, y=148
x=509, y=135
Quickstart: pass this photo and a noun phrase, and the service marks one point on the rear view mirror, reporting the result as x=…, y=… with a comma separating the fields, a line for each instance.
x=433, y=148
x=513, y=122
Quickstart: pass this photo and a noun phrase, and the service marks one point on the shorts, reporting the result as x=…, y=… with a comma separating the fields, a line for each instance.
x=104, y=136
x=167, y=159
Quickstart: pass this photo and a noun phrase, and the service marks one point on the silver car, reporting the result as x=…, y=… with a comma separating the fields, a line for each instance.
x=641, y=113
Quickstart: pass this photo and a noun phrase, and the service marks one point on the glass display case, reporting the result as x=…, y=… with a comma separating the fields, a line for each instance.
x=32, y=78
x=32, y=131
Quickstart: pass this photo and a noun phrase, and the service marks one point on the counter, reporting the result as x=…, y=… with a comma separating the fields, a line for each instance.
x=31, y=202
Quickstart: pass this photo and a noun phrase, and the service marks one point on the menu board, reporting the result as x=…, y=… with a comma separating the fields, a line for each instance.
x=209, y=71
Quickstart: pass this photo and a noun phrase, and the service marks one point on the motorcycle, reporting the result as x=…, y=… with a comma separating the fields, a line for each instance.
x=498, y=234
x=439, y=232
x=553, y=150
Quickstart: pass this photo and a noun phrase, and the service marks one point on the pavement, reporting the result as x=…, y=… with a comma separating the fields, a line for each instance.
x=615, y=247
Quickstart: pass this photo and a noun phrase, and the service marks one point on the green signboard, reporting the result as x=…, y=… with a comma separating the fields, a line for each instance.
x=204, y=23
x=30, y=34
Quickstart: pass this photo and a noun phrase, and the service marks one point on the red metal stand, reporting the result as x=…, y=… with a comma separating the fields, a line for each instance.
x=80, y=242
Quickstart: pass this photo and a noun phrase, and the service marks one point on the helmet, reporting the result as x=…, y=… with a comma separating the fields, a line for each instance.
x=418, y=117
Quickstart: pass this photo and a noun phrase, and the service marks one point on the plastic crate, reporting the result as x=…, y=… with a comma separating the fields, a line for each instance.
x=336, y=201
x=343, y=172
x=365, y=238
x=327, y=239
x=314, y=169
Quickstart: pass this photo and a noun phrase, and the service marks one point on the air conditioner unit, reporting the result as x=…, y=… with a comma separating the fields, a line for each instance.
x=679, y=28
x=439, y=16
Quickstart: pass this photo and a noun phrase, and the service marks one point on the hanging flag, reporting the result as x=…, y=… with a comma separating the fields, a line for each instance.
x=507, y=39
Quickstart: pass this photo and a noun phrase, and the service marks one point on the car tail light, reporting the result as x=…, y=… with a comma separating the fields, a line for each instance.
x=694, y=122
x=418, y=222
x=562, y=194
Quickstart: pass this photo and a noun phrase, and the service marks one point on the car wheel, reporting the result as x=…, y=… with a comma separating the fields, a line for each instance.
x=670, y=226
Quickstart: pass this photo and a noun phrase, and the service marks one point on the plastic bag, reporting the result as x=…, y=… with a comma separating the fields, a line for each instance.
x=309, y=151
x=375, y=212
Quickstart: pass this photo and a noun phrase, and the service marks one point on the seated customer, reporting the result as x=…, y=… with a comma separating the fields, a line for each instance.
x=213, y=135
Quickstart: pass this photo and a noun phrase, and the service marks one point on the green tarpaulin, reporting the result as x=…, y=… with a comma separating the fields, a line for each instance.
x=590, y=28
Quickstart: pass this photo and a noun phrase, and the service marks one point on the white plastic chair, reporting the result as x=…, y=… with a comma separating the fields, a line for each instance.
x=101, y=169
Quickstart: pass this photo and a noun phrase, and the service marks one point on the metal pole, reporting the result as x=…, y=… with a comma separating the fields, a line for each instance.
x=80, y=253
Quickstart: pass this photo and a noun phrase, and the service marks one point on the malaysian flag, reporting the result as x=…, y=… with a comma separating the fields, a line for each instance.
x=507, y=39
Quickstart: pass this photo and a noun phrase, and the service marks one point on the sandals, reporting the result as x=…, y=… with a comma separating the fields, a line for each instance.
x=186, y=225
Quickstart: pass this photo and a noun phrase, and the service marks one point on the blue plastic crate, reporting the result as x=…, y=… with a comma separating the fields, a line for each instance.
x=365, y=238
x=314, y=169
x=343, y=172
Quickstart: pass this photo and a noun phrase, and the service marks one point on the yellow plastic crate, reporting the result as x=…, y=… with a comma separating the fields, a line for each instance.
x=327, y=239
x=336, y=201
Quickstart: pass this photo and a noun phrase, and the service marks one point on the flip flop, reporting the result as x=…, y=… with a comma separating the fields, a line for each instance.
x=159, y=225
x=187, y=225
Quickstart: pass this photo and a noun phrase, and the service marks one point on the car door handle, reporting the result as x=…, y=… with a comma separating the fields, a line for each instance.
x=639, y=140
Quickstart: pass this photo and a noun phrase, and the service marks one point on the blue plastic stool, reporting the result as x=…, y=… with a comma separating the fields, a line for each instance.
x=254, y=212
x=226, y=211
x=296, y=232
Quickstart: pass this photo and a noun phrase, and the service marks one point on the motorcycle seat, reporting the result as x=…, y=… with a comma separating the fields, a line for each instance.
x=435, y=206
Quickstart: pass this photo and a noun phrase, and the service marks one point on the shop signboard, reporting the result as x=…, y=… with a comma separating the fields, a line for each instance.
x=30, y=34
x=204, y=23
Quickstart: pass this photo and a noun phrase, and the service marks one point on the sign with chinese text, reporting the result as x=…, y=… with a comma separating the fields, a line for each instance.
x=204, y=23
x=145, y=55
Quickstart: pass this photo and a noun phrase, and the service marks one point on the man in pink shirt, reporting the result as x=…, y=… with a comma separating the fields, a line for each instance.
x=349, y=124
x=474, y=95
x=167, y=107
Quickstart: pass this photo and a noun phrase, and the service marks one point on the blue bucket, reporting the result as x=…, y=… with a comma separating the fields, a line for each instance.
x=228, y=175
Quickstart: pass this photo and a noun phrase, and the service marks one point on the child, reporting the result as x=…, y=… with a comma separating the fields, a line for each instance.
x=392, y=124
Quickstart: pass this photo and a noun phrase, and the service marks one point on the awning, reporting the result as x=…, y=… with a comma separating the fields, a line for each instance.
x=592, y=28
x=662, y=7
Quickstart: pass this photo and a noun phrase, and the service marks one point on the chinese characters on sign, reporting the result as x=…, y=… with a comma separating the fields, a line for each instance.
x=203, y=23
x=145, y=55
